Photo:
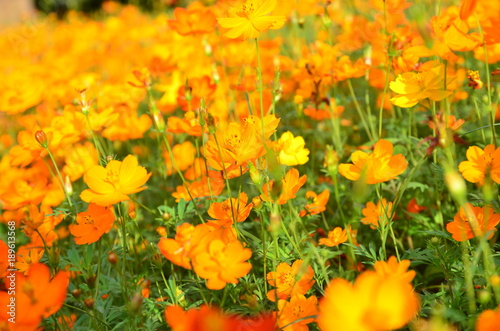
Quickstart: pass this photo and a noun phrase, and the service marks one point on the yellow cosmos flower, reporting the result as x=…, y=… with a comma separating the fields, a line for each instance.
x=292, y=151
x=250, y=19
x=114, y=183
x=415, y=86
x=377, y=167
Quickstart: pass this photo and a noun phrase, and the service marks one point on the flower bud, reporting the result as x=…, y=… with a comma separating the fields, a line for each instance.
x=112, y=258
x=456, y=185
x=91, y=280
x=41, y=138
x=135, y=303
x=89, y=302
x=76, y=293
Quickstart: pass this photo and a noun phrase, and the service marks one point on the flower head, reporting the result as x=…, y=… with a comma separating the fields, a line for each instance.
x=472, y=222
x=293, y=313
x=377, y=167
x=291, y=150
x=250, y=19
x=222, y=263
x=373, y=302
x=290, y=280
x=374, y=215
x=481, y=164
x=335, y=237
x=318, y=203
x=114, y=183
x=92, y=224
x=415, y=86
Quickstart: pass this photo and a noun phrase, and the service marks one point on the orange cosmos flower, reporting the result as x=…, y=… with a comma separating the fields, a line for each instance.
x=92, y=224
x=114, y=183
x=177, y=250
x=480, y=164
x=290, y=280
x=222, y=263
x=231, y=210
x=36, y=296
x=377, y=167
x=373, y=302
x=27, y=256
x=472, y=222
x=250, y=19
x=415, y=86
x=290, y=186
x=239, y=143
x=318, y=203
x=393, y=268
x=184, y=155
x=196, y=19
x=489, y=320
x=189, y=124
x=467, y=8
x=414, y=208
x=374, y=215
x=208, y=318
x=295, y=312
x=335, y=237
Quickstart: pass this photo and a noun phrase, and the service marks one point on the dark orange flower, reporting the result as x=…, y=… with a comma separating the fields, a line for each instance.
x=489, y=320
x=393, y=268
x=318, y=203
x=231, y=210
x=373, y=302
x=92, y=224
x=177, y=250
x=222, y=263
x=335, y=237
x=290, y=280
x=189, y=124
x=472, y=222
x=196, y=19
x=290, y=186
x=293, y=313
x=36, y=296
x=374, y=215
x=208, y=318
x=414, y=208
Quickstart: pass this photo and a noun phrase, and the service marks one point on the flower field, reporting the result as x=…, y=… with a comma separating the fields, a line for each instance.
x=252, y=165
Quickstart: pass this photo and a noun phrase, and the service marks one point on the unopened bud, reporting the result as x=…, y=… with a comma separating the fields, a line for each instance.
x=159, y=121
x=91, y=280
x=274, y=222
x=255, y=175
x=135, y=303
x=257, y=202
x=484, y=296
x=89, y=302
x=456, y=185
x=76, y=293
x=112, y=258
x=41, y=138
x=211, y=123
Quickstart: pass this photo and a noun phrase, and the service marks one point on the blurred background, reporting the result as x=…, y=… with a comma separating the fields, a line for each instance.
x=14, y=11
